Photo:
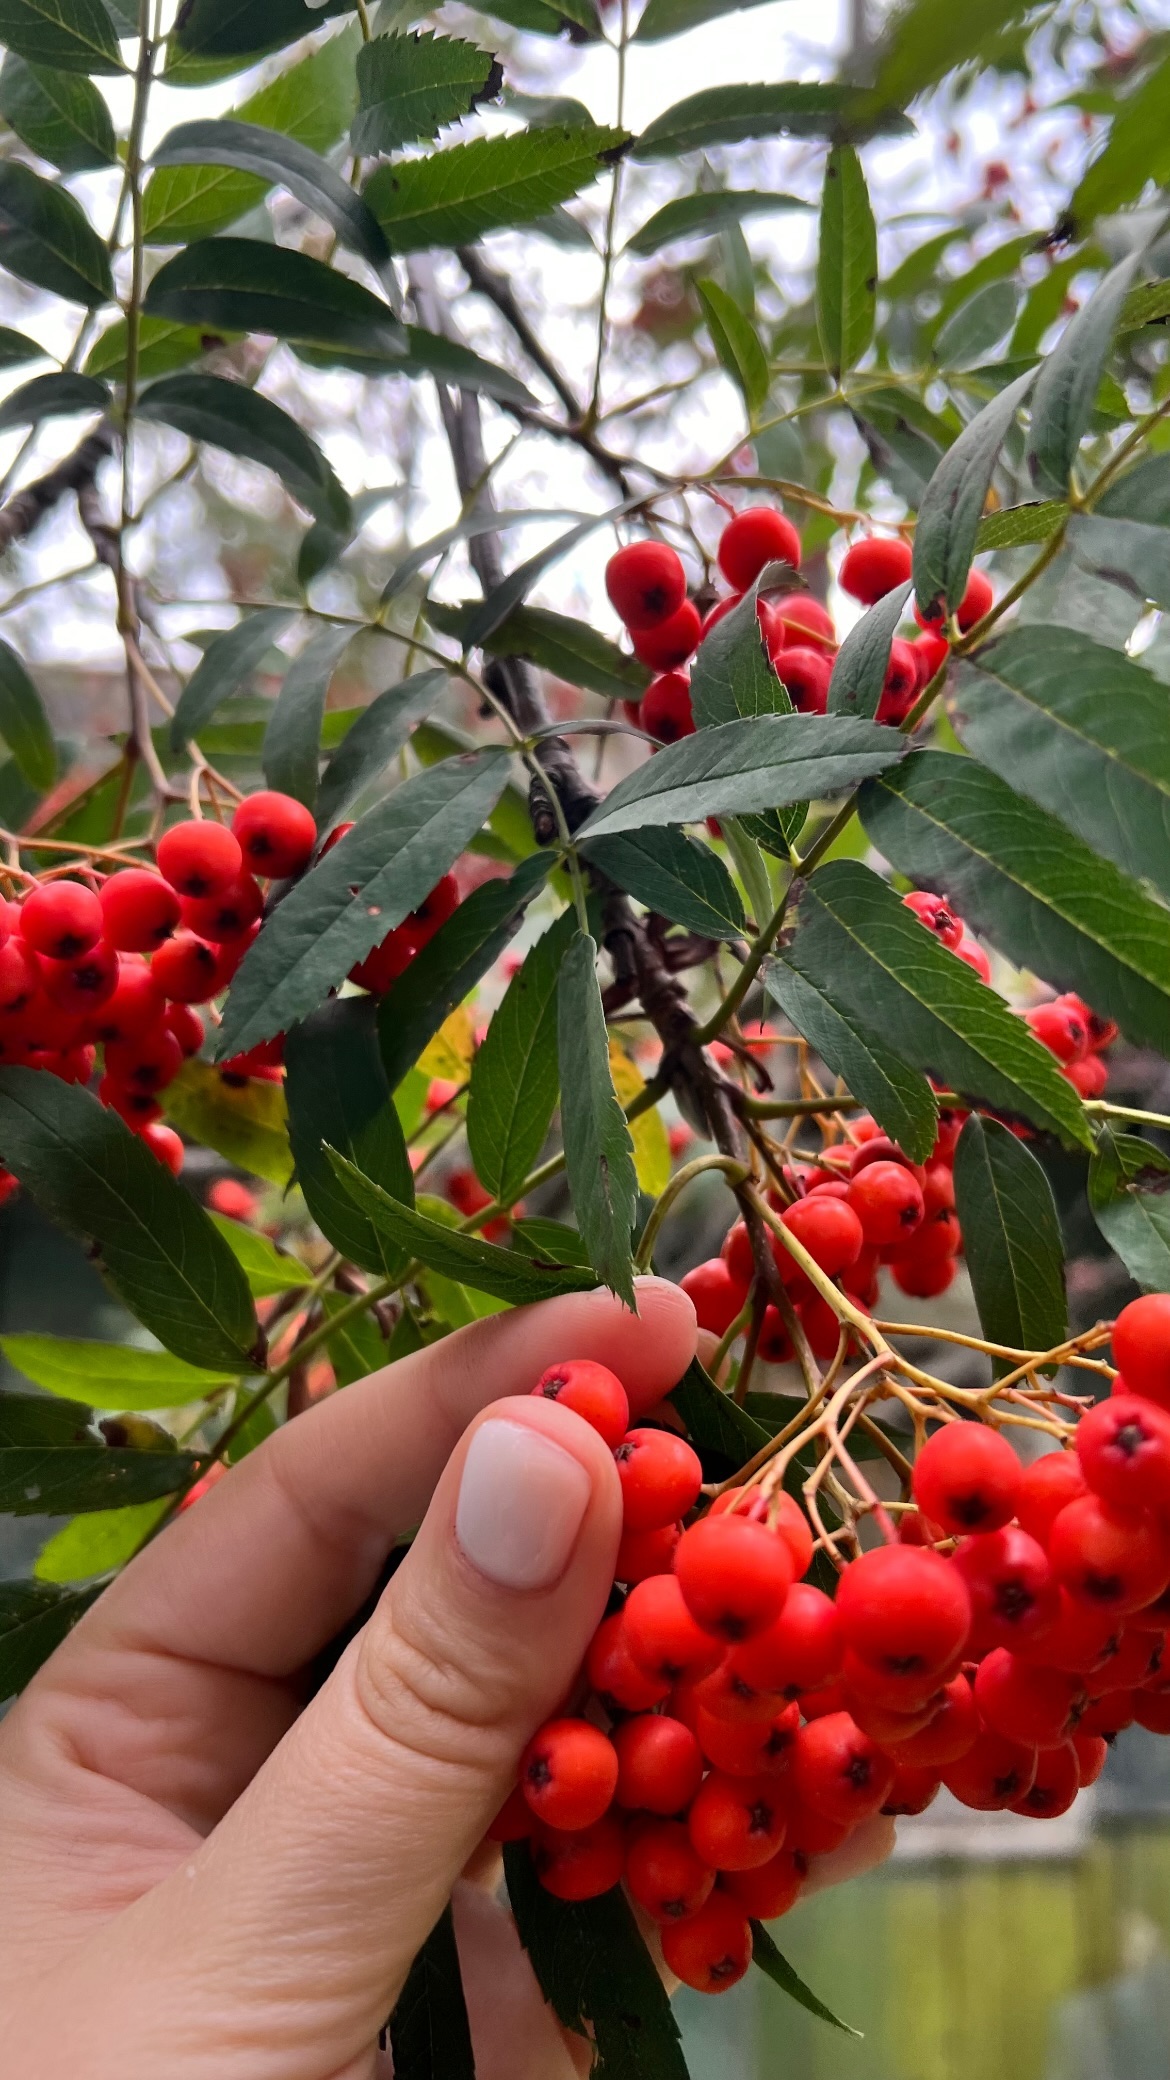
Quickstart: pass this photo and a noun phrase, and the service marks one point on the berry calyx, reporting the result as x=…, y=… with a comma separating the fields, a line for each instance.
x=663, y=1873
x=737, y=1823
x=712, y=1949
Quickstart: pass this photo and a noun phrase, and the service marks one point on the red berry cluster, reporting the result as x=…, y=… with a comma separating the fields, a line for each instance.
x=396, y=951
x=734, y=1721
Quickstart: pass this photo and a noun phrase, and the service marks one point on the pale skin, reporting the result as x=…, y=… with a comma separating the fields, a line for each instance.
x=202, y=1875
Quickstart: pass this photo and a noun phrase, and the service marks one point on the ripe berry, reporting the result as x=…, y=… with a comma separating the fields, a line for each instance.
x=748, y=1747
x=514, y=1821
x=660, y=1475
x=801, y=1651
x=592, y=1392
x=1045, y=1486
x=774, y=1346
x=1092, y=1754
x=187, y=1027
x=1112, y=1562
x=583, y=1864
x=165, y=1144
x=434, y=910
x=1014, y=1599
x=147, y=1063
x=276, y=833
x=975, y=603
x=614, y=1675
x=1088, y=1078
x=922, y=1278
x=794, y=618
x=754, y=539
x=137, y=1108
x=139, y=910
x=669, y=643
x=813, y=1834
x=838, y=1770
x=222, y=916
x=737, y=1823
x=912, y=1791
x=1079, y=1641
x=900, y=687
x=83, y=984
x=186, y=968
x=135, y=1008
x=1060, y=1029
x=661, y=1634
x=993, y=1774
x=970, y=951
x=904, y=1610
x=712, y=1949
x=663, y=1873
x=1111, y=1714
x=666, y=707
x=771, y=1889
x=805, y=675
x=936, y=915
x=734, y=1575
x=387, y=962
x=716, y=1293
x=19, y=975
x=966, y=1478
x=61, y=919
x=1056, y=1784
x=904, y=1694
x=569, y=1773
x=950, y=1733
x=646, y=583
x=873, y=567
x=830, y=1231
x=660, y=1765
x=643, y=1553
x=1141, y=1345
x=200, y=859
x=889, y=1203
x=1037, y=1706
x=931, y=651
x=1124, y=1448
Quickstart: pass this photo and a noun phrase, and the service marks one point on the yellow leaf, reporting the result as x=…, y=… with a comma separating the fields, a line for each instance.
x=648, y=1133
x=247, y=1123
x=449, y=1053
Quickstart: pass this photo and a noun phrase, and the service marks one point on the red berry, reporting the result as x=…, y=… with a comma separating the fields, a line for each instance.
x=936, y=915
x=615, y=1675
x=233, y=1198
x=1141, y=1345
x=805, y=675
x=669, y=643
x=83, y=984
x=873, y=567
x=970, y=951
x=737, y=1254
x=812, y=1834
x=950, y=1733
x=1056, y=1784
x=771, y=1889
x=19, y=975
x=775, y=1344
x=1112, y=1562
x=1132, y=1658
x=737, y=1823
x=1124, y=1448
x=993, y=1774
x=889, y=1203
x=1036, y=1706
x=1088, y=1078
x=569, y=1773
x=1110, y=1715
x=387, y=962
x=1045, y=1487
x=931, y=651
x=1079, y=1641
x=1092, y=1754
x=135, y=1008
x=754, y=539
x=514, y=1821
x=904, y=1609
x=903, y=1694
x=838, y=1771
x=748, y=1747
x=666, y=707
x=200, y=859
x=137, y=1108
x=966, y=1478
x=923, y=1279
x=734, y=1575
x=663, y=1873
x=276, y=833
x=900, y=687
x=139, y=910
x=225, y=915
x=793, y=618
x=712, y=1949
x=592, y=1392
x=663, y=1638
x=1060, y=1029
x=801, y=1651
x=660, y=1765
x=913, y=1789
x=163, y=1142
x=646, y=584
x=148, y=1063
x=643, y=1553
x=830, y=1230
x=1013, y=1596
x=660, y=1475
x=187, y=1027
x=716, y=1293
x=61, y=919
x=977, y=599
x=186, y=968
x=583, y=1864
x=434, y=910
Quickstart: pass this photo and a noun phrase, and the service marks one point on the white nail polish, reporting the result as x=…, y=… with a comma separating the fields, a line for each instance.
x=521, y=1504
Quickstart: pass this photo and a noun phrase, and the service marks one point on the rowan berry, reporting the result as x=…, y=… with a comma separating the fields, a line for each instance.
x=1092, y=1754
x=787, y=1517
x=829, y=1230
x=276, y=833
x=722, y=608
x=814, y=1834
x=1028, y=1703
x=593, y=1392
x=660, y=1475
x=1088, y=1078
x=515, y=1821
x=223, y=916
x=1124, y=1448
x=805, y=676
x=888, y=1202
x=793, y=618
x=950, y=1733
x=76, y=1064
x=1059, y=1028
x=904, y=1609
x=931, y=652
x=149, y=1062
x=1131, y=1659
x=434, y=910
x=755, y=538
x=230, y=1196
x=663, y=1873
x=716, y=1294
x=1110, y=1715
x=1056, y=1784
x=19, y=975
x=669, y=643
x=200, y=859
x=61, y=919
x=187, y=969
x=1141, y=1344
x=975, y=603
x=774, y=1345
x=736, y=1823
x=187, y=1027
x=644, y=1553
x=900, y=687
x=1045, y=1487
x=771, y=1889
x=904, y=1694
x=802, y=1650
x=970, y=951
x=914, y=1789
x=822, y=1326
x=583, y=1864
x=137, y=1108
x=614, y=1675
x=874, y=566
x=878, y=1148
x=666, y=707
x=569, y=1773
x=646, y=583
x=83, y=984
x=839, y=1771
x=1151, y=1709
x=663, y=1638
x=711, y=1950
x=660, y=1764
x=165, y=1144
x=1079, y=1641
x=928, y=1258
x=1014, y=1599
x=936, y=914
x=135, y=1008
x=386, y=962
x=993, y=1774
x=748, y=1747
x=1112, y=1562
x=967, y=1478
x=139, y=910
x=734, y=1575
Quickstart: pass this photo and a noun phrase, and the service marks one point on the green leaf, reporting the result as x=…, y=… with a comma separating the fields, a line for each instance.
x=246, y=1123
x=283, y=162
x=491, y=612
x=1016, y=525
x=61, y=35
x=926, y=39
x=112, y=1375
x=246, y=285
x=736, y=344
x=715, y=1424
x=24, y=725
x=226, y=666
x=58, y=114
x=859, y=670
x=357, y=1347
x=242, y=28
x=54, y=396
x=16, y=347
x=899, y=1098
x=291, y=753
x=1134, y=153
x=1129, y=1195
x=674, y=875
x=452, y=197
x=47, y=239
x=159, y=1251
x=1068, y=382
x=728, y=115
x=506, y=1273
x=96, y=1544
x=466, y=528
x=410, y=87
x=701, y=215
x=776, y=1966
x=663, y=18
x=1147, y=305
x=52, y=1463
x=162, y=347
x=572, y=650
x=338, y=1094
x=596, y=1974
x=513, y=1091
x=393, y=857
x=976, y=325
x=599, y=1154
x=733, y=676
x=857, y=945
x=266, y=1268
x=208, y=408
x=1126, y=539
x=766, y=762
x=1024, y=880
x=430, y=2036
x=367, y=748
x=1083, y=730
x=1011, y=1238
x=34, y=1619
x=450, y=964
x=549, y=1241
x=847, y=267
x=952, y=505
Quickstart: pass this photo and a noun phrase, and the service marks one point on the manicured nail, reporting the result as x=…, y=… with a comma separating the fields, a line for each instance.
x=521, y=1504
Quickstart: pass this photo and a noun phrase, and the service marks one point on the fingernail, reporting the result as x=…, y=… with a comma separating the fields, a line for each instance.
x=521, y=1504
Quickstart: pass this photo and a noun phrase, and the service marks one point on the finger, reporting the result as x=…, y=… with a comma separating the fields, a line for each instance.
x=866, y=1847
x=515, y=2034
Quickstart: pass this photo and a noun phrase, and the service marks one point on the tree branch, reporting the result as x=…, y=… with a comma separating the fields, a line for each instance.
x=75, y=473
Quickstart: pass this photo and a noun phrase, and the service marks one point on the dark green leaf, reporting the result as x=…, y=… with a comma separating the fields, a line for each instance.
x=425, y=354
x=266, y=1268
x=323, y=543
x=736, y=344
x=1134, y=153
x=765, y=763
x=596, y=1974
x=291, y=753
x=847, y=267
x=714, y=1422
x=409, y=87
x=732, y=675
x=449, y=198
x=430, y=2036
x=162, y=347
x=1011, y=1238
x=62, y=35
x=244, y=28
x=1148, y=305
x=1083, y=730
x=59, y=114
x=699, y=216
x=159, y=1250
x=338, y=1094
x=573, y=650
x=776, y=1965
x=208, y=408
x=16, y=347
x=664, y=18
x=952, y=505
x=47, y=239
x=727, y=115
x=54, y=396
x=246, y=285
x=549, y=1241
x=493, y=611
x=1067, y=385
x=464, y=530
x=899, y=1098
x=674, y=875
x=111, y=1375
x=1126, y=539
x=857, y=944
x=1015, y=525
x=284, y=162
x=859, y=671
x=926, y=39
x=367, y=748
x=243, y=1121
x=227, y=665
x=508, y=836
x=357, y=1347
x=1024, y=880
x=393, y=857
x=34, y=1619
x=513, y=1090
x=505, y=1273
x=599, y=1154
x=1129, y=1193
x=24, y=725
x=451, y=964
x=53, y=1464
x=977, y=325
